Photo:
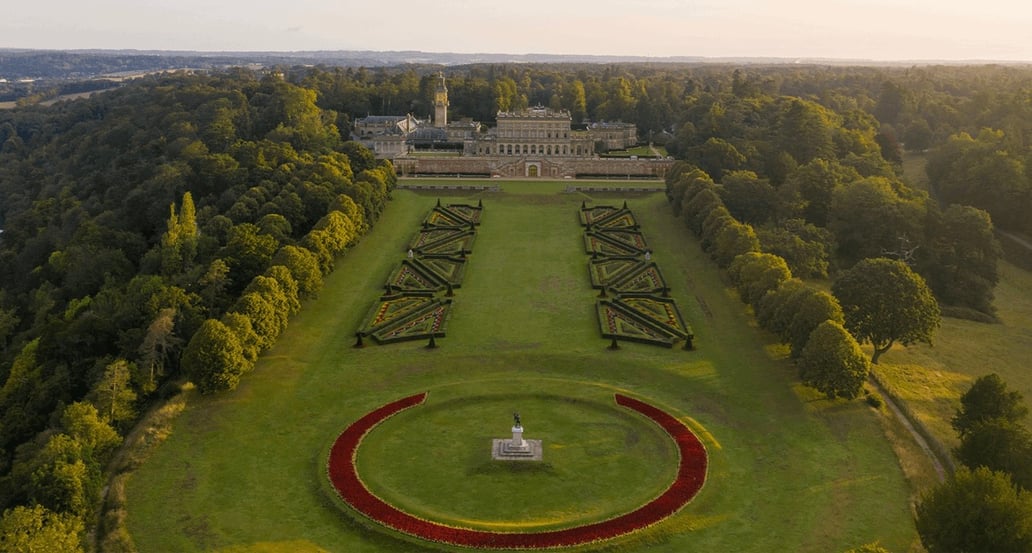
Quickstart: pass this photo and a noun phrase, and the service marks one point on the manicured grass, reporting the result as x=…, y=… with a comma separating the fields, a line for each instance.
x=788, y=470
x=599, y=460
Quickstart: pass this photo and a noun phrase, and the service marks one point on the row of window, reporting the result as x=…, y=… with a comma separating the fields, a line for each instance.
x=535, y=149
x=523, y=133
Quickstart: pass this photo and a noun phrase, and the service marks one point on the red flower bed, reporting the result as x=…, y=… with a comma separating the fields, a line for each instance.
x=691, y=474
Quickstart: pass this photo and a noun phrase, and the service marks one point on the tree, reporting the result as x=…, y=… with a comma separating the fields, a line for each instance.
x=802, y=245
x=755, y=274
x=96, y=439
x=988, y=399
x=36, y=529
x=774, y=311
x=733, y=240
x=158, y=344
x=215, y=281
x=975, y=511
x=983, y=172
x=832, y=362
x=250, y=342
x=303, y=266
x=805, y=130
x=213, y=359
x=276, y=226
x=717, y=156
x=179, y=243
x=61, y=479
x=247, y=253
x=113, y=394
x=287, y=285
x=683, y=188
x=998, y=444
x=718, y=219
x=962, y=264
x=268, y=321
x=810, y=308
x=339, y=230
x=812, y=186
x=698, y=208
x=870, y=216
x=750, y=199
x=8, y=323
x=885, y=302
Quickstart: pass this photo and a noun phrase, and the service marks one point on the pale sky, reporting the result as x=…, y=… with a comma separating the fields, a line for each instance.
x=845, y=29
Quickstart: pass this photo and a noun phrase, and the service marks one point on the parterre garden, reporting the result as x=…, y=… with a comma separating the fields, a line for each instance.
x=787, y=470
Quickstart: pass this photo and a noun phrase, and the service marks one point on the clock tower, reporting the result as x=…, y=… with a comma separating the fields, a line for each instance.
x=441, y=103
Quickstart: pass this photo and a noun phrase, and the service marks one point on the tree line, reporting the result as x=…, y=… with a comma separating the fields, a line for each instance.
x=162, y=231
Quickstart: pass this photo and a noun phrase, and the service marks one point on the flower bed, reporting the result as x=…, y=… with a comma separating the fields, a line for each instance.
x=691, y=475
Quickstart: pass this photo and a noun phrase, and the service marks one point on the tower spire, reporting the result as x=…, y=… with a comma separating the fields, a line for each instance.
x=441, y=103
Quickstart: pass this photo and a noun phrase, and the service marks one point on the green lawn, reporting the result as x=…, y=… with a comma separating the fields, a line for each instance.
x=789, y=471
x=932, y=378
x=599, y=460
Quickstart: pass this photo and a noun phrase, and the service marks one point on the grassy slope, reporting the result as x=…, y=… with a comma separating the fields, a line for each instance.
x=932, y=379
x=788, y=471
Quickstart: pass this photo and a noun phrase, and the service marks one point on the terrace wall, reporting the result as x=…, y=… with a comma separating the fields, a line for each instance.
x=508, y=166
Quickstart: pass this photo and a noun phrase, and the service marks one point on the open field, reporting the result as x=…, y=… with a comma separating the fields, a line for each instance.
x=788, y=470
x=932, y=379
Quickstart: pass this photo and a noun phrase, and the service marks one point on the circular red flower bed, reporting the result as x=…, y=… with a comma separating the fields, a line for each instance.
x=691, y=474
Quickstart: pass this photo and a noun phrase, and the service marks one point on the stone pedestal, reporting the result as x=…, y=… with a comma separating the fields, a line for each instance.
x=516, y=449
x=517, y=438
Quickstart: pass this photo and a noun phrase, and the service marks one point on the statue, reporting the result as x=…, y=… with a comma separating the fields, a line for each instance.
x=516, y=420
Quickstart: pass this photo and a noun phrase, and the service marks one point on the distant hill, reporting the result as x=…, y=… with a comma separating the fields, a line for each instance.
x=21, y=64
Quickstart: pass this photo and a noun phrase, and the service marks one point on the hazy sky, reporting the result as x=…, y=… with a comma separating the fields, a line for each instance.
x=855, y=29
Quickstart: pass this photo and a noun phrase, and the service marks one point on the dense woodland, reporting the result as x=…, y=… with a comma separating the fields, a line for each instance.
x=165, y=231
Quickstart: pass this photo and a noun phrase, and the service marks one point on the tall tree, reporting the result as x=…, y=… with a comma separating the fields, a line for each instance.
x=158, y=345
x=988, y=399
x=871, y=216
x=961, y=266
x=113, y=394
x=213, y=359
x=885, y=302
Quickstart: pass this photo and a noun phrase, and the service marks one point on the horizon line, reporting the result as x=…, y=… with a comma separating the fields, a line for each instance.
x=680, y=58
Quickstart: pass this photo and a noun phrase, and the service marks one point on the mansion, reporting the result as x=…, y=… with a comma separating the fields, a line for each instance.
x=536, y=142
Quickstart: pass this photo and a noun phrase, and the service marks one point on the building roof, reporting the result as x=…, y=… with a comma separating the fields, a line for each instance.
x=375, y=119
x=428, y=134
x=534, y=112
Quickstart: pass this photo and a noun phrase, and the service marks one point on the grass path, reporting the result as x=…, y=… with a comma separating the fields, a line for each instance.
x=789, y=471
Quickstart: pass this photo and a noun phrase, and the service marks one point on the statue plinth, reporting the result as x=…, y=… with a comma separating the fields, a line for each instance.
x=517, y=437
x=516, y=449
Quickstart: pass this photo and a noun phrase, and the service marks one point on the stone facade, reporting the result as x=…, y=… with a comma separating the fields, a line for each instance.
x=538, y=132
x=614, y=136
